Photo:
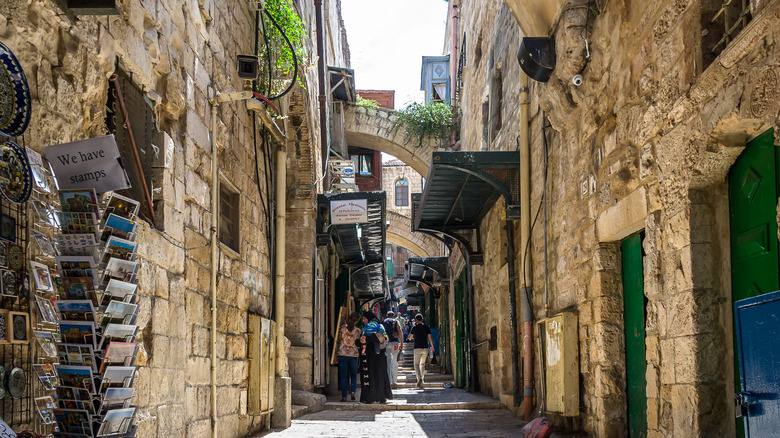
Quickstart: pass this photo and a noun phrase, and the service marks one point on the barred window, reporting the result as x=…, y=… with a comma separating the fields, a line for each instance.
x=721, y=22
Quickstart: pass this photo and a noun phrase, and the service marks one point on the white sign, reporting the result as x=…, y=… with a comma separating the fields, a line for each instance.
x=91, y=163
x=412, y=308
x=349, y=212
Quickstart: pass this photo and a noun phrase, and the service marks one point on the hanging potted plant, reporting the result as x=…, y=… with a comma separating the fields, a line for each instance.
x=432, y=121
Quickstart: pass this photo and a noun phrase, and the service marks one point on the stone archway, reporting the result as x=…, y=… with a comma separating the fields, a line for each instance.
x=375, y=130
x=400, y=233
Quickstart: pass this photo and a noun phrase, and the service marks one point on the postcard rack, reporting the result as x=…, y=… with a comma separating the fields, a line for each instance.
x=15, y=409
x=87, y=265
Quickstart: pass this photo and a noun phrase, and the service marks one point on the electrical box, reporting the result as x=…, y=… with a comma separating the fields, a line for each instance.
x=560, y=348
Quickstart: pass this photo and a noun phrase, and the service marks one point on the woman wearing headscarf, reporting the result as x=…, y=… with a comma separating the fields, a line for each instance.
x=348, y=355
x=374, y=382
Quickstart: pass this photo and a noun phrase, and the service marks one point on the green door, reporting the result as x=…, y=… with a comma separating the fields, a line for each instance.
x=461, y=332
x=634, y=314
x=752, y=202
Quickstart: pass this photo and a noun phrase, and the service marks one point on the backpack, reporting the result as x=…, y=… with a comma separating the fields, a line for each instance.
x=391, y=328
x=540, y=427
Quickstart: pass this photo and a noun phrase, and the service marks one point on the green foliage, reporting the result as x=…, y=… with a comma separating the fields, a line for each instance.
x=433, y=120
x=281, y=55
x=367, y=103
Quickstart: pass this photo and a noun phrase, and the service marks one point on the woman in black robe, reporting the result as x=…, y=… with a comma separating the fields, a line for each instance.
x=374, y=381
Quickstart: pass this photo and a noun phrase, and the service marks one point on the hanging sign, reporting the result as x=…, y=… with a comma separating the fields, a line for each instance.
x=413, y=308
x=92, y=163
x=352, y=211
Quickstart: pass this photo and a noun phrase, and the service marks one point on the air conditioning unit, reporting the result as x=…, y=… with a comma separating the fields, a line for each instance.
x=561, y=364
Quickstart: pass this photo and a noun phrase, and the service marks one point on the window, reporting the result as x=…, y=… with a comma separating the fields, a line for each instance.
x=439, y=93
x=401, y=256
x=364, y=164
x=402, y=193
x=229, y=217
x=721, y=21
x=127, y=107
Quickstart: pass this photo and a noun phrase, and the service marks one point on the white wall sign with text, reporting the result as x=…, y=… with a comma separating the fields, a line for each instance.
x=92, y=163
x=349, y=212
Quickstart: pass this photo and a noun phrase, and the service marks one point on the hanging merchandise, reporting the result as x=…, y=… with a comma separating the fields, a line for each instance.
x=15, y=107
x=16, y=179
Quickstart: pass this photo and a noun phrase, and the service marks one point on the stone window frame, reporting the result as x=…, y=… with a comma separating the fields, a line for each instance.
x=229, y=196
x=721, y=22
x=402, y=199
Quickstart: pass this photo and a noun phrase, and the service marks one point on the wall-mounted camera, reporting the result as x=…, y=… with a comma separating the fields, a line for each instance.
x=577, y=80
x=248, y=66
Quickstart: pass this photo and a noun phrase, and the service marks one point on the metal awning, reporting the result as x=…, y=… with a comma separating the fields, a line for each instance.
x=460, y=190
x=359, y=246
x=342, y=83
x=429, y=270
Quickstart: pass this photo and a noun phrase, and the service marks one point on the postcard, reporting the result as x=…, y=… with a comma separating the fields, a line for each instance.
x=76, y=310
x=45, y=407
x=42, y=276
x=46, y=213
x=86, y=405
x=44, y=243
x=76, y=376
x=77, y=354
x=79, y=201
x=72, y=393
x=74, y=420
x=118, y=226
x=119, y=248
x=77, y=332
x=37, y=167
x=81, y=244
x=46, y=375
x=119, y=353
x=120, y=291
x=46, y=341
x=117, y=397
x=78, y=223
x=77, y=266
x=118, y=333
x=121, y=206
x=116, y=422
x=117, y=377
x=118, y=269
x=119, y=312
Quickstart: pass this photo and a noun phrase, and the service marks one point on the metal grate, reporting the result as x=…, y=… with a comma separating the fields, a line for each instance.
x=18, y=412
x=730, y=18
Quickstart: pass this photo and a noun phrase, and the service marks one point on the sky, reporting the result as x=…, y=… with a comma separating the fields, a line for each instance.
x=387, y=40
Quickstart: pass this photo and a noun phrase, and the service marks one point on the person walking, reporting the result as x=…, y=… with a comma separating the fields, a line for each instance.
x=374, y=382
x=421, y=335
x=348, y=355
x=394, y=346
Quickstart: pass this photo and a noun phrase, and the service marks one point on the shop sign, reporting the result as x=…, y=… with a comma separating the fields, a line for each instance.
x=352, y=211
x=413, y=308
x=92, y=163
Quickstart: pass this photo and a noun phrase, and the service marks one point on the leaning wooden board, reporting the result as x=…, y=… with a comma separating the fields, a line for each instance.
x=339, y=323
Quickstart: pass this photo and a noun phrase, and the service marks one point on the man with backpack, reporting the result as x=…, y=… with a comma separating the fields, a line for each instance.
x=394, y=347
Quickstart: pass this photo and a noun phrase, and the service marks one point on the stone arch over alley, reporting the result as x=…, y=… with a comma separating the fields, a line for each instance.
x=399, y=232
x=375, y=130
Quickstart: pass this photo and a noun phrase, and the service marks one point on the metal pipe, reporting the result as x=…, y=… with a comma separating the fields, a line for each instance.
x=281, y=218
x=332, y=289
x=525, y=237
x=510, y=259
x=472, y=324
x=454, y=53
x=214, y=258
x=321, y=79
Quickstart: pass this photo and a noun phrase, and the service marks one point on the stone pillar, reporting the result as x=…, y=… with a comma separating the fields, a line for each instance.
x=282, y=415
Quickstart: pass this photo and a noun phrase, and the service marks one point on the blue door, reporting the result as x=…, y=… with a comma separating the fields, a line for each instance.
x=758, y=339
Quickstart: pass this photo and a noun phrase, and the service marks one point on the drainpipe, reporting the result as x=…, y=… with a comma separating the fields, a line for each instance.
x=453, y=64
x=214, y=260
x=526, y=288
x=332, y=289
x=510, y=259
x=321, y=79
x=472, y=325
x=281, y=217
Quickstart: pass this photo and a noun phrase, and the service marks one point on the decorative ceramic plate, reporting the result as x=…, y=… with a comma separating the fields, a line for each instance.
x=15, y=174
x=15, y=257
x=2, y=381
x=14, y=95
x=17, y=382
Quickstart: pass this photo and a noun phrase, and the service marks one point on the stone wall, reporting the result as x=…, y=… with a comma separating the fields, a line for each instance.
x=174, y=51
x=644, y=144
x=392, y=171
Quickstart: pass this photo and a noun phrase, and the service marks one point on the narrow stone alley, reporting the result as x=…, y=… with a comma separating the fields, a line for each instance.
x=437, y=410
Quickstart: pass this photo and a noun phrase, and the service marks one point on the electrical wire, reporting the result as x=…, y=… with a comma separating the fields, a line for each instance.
x=538, y=210
x=260, y=96
x=208, y=242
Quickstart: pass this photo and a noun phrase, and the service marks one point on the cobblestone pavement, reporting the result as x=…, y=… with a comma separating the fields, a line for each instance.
x=460, y=423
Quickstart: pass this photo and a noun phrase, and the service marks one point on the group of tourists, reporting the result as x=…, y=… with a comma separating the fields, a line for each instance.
x=375, y=350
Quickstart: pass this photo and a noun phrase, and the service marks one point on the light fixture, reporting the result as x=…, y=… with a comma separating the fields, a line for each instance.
x=536, y=56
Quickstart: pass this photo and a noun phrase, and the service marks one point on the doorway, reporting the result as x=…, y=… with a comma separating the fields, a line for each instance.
x=753, y=189
x=634, y=305
x=461, y=332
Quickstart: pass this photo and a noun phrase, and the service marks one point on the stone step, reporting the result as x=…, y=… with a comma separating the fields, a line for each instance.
x=428, y=384
x=391, y=406
x=298, y=411
x=429, y=377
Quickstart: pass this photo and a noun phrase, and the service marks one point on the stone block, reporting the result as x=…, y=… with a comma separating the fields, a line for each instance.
x=199, y=429
x=198, y=371
x=170, y=420
x=668, y=361
x=159, y=352
x=281, y=417
x=160, y=316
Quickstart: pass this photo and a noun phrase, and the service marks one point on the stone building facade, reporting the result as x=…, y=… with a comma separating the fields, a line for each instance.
x=173, y=52
x=644, y=145
x=393, y=172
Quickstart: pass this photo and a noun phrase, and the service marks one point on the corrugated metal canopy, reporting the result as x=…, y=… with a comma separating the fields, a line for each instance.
x=364, y=255
x=461, y=188
x=429, y=270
